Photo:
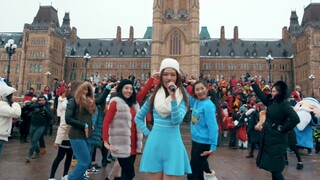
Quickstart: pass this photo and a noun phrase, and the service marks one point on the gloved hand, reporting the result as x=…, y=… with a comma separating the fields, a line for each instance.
x=252, y=80
x=236, y=122
x=313, y=117
x=312, y=114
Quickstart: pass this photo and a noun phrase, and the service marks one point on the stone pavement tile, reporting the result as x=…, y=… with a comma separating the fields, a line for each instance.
x=228, y=164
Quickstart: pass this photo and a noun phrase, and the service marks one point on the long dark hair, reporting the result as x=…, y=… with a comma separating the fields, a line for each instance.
x=9, y=98
x=178, y=84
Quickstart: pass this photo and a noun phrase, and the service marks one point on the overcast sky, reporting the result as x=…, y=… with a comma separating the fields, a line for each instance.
x=100, y=18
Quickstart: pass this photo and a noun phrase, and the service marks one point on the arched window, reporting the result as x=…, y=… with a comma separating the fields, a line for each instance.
x=36, y=68
x=71, y=76
x=17, y=69
x=40, y=68
x=31, y=69
x=29, y=84
x=175, y=43
x=39, y=84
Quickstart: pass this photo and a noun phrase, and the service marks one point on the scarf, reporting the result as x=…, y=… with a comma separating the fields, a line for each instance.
x=162, y=104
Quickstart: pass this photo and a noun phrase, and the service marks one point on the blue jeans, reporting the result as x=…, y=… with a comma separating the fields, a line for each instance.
x=81, y=149
x=35, y=134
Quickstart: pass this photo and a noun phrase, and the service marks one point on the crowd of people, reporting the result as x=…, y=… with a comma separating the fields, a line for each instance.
x=115, y=114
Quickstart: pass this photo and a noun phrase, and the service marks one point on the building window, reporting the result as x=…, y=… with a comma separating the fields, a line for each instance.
x=39, y=85
x=254, y=53
x=209, y=53
x=82, y=76
x=29, y=84
x=232, y=53
x=17, y=69
x=71, y=76
x=31, y=68
x=40, y=68
x=247, y=53
x=41, y=55
x=217, y=53
x=36, y=69
x=175, y=43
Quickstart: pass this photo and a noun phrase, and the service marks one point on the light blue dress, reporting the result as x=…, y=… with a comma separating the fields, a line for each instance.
x=164, y=149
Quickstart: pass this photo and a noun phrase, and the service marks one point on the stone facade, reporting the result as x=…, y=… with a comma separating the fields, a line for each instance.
x=45, y=46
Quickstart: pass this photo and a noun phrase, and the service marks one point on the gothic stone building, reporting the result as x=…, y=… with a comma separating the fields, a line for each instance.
x=45, y=46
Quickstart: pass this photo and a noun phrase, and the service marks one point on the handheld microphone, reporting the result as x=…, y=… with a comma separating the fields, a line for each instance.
x=172, y=88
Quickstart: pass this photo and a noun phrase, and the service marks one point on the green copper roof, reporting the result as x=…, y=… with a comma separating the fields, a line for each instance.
x=148, y=33
x=204, y=34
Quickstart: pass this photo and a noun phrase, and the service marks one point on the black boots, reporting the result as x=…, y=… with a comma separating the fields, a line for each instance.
x=299, y=166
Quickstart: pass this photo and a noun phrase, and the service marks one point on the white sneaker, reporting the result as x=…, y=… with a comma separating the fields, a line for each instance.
x=52, y=179
x=64, y=177
x=86, y=175
x=210, y=176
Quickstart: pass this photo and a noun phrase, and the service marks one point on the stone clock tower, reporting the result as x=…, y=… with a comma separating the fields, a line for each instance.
x=176, y=34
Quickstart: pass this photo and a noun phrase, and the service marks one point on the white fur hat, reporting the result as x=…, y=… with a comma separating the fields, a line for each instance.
x=171, y=63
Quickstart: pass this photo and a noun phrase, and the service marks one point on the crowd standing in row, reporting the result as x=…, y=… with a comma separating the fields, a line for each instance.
x=107, y=114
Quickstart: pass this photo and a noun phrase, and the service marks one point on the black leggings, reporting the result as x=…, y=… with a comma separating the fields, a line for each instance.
x=127, y=167
x=296, y=152
x=277, y=176
x=198, y=163
x=61, y=153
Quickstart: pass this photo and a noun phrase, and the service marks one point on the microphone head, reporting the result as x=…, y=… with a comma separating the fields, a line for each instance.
x=172, y=88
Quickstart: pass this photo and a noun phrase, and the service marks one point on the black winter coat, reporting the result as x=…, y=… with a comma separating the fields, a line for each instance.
x=254, y=136
x=280, y=119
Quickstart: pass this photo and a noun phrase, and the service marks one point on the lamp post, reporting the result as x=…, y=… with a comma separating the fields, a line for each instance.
x=86, y=58
x=269, y=59
x=311, y=78
x=10, y=49
x=48, y=74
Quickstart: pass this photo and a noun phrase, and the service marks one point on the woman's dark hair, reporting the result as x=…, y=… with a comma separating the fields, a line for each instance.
x=132, y=99
x=283, y=91
x=178, y=84
x=196, y=83
x=9, y=98
x=214, y=97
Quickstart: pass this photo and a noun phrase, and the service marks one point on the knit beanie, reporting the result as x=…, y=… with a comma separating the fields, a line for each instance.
x=170, y=63
x=123, y=83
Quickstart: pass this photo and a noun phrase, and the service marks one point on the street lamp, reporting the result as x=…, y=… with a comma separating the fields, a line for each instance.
x=10, y=49
x=269, y=59
x=48, y=74
x=311, y=78
x=86, y=58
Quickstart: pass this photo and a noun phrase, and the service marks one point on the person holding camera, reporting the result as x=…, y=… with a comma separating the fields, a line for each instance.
x=40, y=117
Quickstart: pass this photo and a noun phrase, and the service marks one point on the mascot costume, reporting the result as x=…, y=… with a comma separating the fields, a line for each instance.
x=308, y=110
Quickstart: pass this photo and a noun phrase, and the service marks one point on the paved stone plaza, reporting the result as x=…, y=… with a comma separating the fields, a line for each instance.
x=228, y=164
